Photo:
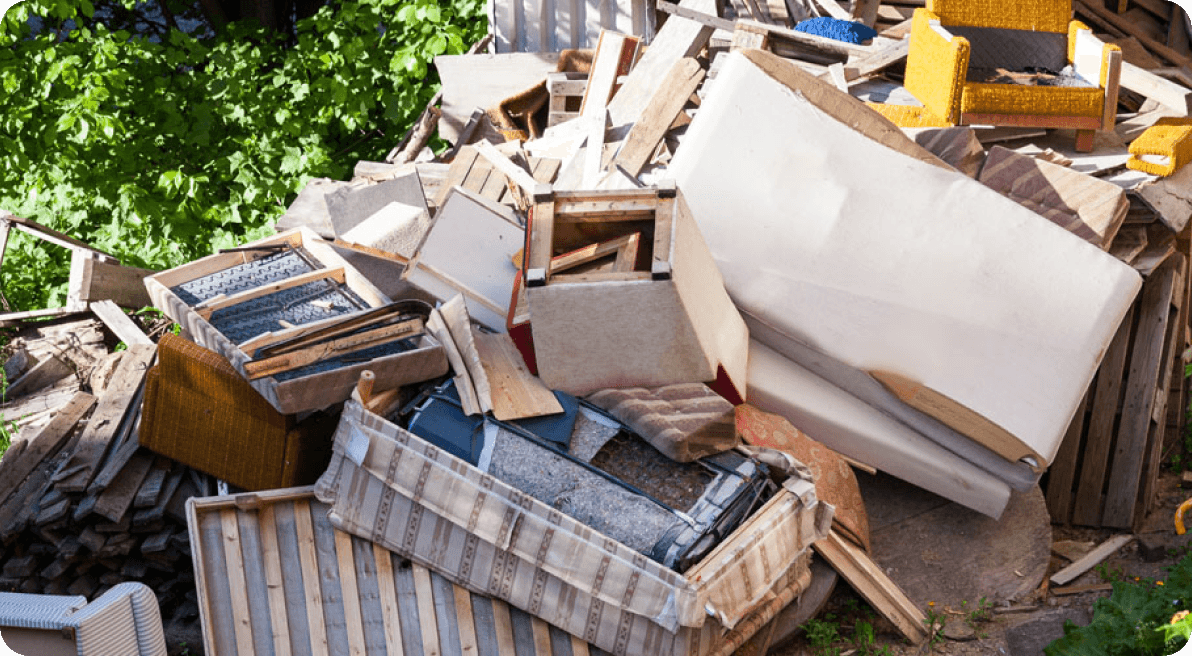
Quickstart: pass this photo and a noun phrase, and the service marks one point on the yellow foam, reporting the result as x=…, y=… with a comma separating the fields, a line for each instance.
x=1170, y=137
x=935, y=67
x=1037, y=15
x=909, y=116
x=978, y=98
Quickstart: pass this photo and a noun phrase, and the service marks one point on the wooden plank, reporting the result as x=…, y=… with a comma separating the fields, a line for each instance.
x=333, y=348
x=1105, y=403
x=213, y=305
x=865, y=11
x=503, y=624
x=1098, y=554
x=49, y=234
x=872, y=583
x=679, y=37
x=884, y=56
x=83, y=464
x=274, y=581
x=125, y=286
x=388, y=593
x=1097, y=12
x=310, y=579
x=1159, y=90
x=152, y=487
x=515, y=392
x=15, y=468
x=237, y=585
x=118, y=496
x=516, y=174
x=426, y=611
x=541, y=636
x=119, y=323
x=1142, y=377
x=463, y=380
x=666, y=103
x=465, y=621
x=1061, y=474
x=350, y=593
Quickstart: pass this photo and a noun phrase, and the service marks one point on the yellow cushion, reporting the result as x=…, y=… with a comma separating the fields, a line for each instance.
x=909, y=116
x=978, y=98
x=1038, y=15
x=1168, y=137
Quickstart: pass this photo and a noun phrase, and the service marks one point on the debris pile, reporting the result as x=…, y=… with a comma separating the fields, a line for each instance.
x=598, y=376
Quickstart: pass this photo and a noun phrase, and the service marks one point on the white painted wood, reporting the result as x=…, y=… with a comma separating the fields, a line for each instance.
x=887, y=262
x=543, y=26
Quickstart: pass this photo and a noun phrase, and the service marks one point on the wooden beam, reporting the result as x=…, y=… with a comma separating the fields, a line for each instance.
x=80, y=468
x=119, y=323
x=666, y=103
x=1098, y=554
x=16, y=466
x=1094, y=9
x=1156, y=88
x=867, y=578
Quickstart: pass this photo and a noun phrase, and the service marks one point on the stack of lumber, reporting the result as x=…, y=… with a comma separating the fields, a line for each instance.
x=82, y=506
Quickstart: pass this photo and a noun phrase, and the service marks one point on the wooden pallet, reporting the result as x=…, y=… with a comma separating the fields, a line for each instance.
x=478, y=175
x=566, y=96
x=275, y=578
x=1108, y=463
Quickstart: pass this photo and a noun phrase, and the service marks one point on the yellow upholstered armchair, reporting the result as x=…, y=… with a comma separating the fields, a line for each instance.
x=1012, y=62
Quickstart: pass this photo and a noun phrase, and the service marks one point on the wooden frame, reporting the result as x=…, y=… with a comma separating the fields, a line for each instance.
x=269, y=565
x=95, y=275
x=312, y=391
x=670, y=310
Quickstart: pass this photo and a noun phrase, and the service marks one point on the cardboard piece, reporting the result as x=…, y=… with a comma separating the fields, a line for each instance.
x=1089, y=208
x=894, y=267
x=469, y=250
x=348, y=207
x=481, y=81
x=391, y=487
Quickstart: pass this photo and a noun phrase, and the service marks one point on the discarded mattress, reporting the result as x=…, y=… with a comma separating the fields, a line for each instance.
x=980, y=320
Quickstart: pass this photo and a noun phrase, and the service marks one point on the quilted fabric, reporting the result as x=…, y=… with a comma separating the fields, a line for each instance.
x=1015, y=50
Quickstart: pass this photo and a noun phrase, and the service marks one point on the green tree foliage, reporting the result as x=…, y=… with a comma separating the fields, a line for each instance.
x=161, y=151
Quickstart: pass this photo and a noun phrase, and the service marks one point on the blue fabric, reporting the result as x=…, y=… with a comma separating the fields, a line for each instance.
x=834, y=28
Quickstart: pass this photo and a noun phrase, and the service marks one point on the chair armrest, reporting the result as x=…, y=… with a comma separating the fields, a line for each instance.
x=936, y=65
x=1090, y=57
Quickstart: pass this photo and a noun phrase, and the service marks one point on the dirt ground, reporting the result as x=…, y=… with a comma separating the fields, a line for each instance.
x=1021, y=626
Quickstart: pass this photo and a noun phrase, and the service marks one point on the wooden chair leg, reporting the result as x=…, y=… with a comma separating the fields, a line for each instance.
x=1084, y=140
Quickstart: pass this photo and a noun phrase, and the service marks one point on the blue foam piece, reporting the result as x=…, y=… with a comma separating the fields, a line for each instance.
x=834, y=28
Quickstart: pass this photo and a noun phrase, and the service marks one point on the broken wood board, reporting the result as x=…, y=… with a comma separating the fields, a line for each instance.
x=724, y=589
x=76, y=472
x=959, y=146
x=1089, y=208
x=933, y=343
x=104, y=280
x=22, y=458
x=664, y=106
x=1098, y=554
x=679, y=37
x=515, y=392
x=119, y=323
x=469, y=251
x=455, y=316
x=867, y=578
